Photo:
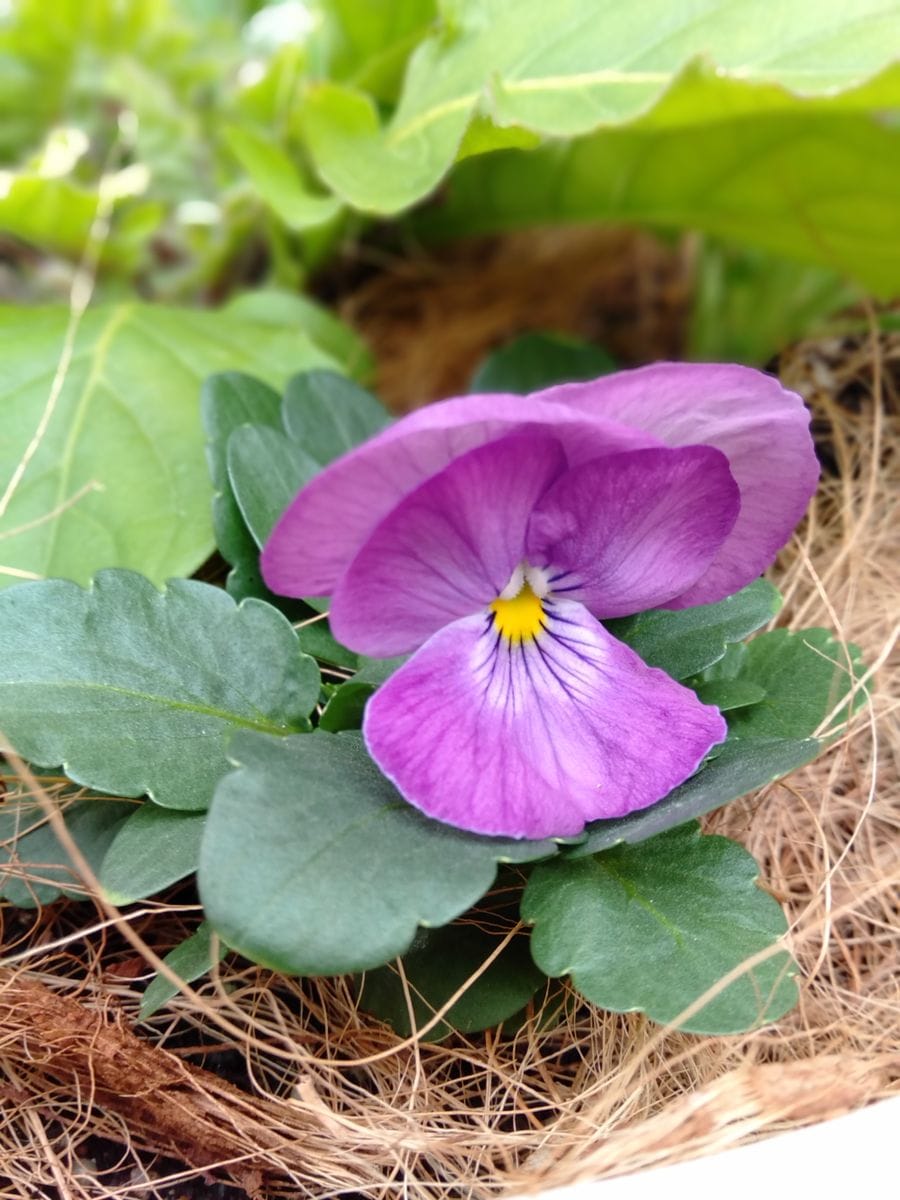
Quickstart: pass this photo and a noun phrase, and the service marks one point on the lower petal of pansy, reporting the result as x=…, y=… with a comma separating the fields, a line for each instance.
x=533, y=736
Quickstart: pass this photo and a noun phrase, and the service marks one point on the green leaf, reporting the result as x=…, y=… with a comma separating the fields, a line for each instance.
x=564, y=71
x=313, y=864
x=741, y=766
x=345, y=708
x=805, y=675
x=811, y=180
x=290, y=310
x=328, y=414
x=134, y=691
x=118, y=478
x=684, y=641
x=155, y=847
x=316, y=639
x=749, y=305
x=651, y=928
x=440, y=961
x=278, y=181
x=38, y=868
x=191, y=959
x=728, y=694
x=266, y=469
x=539, y=360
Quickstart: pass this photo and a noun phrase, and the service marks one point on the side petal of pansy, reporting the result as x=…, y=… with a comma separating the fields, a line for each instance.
x=762, y=428
x=447, y=549
x=325, y=525
x=635, y=529
x=534, y=737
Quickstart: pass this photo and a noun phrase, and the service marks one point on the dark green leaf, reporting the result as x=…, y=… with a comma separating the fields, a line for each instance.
x=741, y=766
x=313, y=864
x=266, y=469
x=728, y=694
x=684, y=641
x=152, y=849
x=316, y=639
x=345, y=708
x=805, y=676
x=328, y=414
x=191, y=959
x=539, y=360
x=440, y=961
x=653, y=927
x=38, y=868
x=133, y=690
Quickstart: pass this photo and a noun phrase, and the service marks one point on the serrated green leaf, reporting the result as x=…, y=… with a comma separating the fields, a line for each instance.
x=741, y=766
x=567, y=70
x=685, y=641
x=327, y=414
x=121, y=461
x=439, y=962
x=539, y=360
x=293, y=311
x=805, y=675
x=190, y=959
x=133, y=690
x=278, y=181
x=653, y=927
x=313, y=864
x=316, y=639
x=38, y=868
x=155, y=847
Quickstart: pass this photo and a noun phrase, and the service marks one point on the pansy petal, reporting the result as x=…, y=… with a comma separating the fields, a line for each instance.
x=536, y=738
x=631, y=531
x=447, y=549
x=327, y=522
x=758, y=424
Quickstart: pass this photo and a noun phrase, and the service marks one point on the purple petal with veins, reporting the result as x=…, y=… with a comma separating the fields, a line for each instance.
x=447, y=549
x=535, y=738
x=323, y=528
x=631, y=531
x=762, y=427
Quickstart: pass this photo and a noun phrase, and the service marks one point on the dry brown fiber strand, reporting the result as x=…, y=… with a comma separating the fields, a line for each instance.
x=326, y=1102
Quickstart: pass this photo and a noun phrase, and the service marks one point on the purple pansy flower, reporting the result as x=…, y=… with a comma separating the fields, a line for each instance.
x=487, y=534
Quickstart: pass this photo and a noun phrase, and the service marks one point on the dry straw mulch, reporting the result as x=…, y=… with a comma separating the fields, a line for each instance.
x=283, y=1088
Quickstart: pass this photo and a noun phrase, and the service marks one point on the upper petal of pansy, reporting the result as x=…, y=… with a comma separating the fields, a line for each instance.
x=758, y=424
x=534, y=738
x=327, y=522
x=631, y=531
x=447, y=549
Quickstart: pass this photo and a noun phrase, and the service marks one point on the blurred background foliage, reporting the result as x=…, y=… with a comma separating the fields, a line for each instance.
x=211, y=153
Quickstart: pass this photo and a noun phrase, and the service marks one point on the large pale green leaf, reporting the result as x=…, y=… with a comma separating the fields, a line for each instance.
x=278, y=181
x=566, y=69
x=653, y=927
x=312, y=863
x=153, y=848
x=133, y=690
x=810, y=180
x=118, y=478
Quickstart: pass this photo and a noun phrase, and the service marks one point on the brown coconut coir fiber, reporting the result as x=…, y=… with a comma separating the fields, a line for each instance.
x=283, y=1088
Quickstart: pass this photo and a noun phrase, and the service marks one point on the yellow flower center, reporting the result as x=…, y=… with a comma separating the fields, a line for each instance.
x=520, y=618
